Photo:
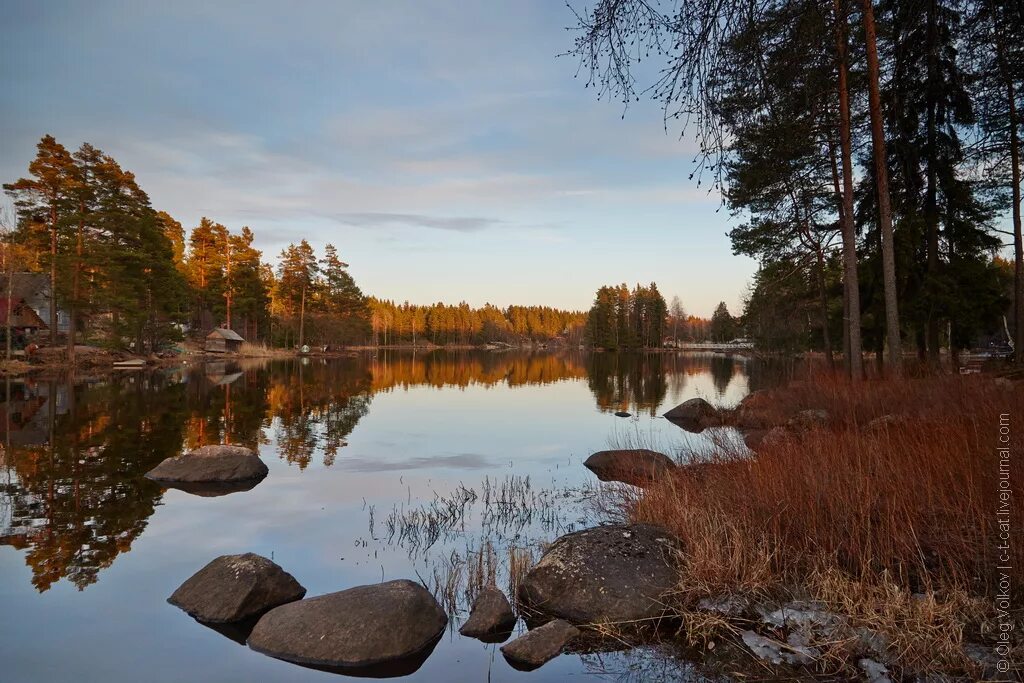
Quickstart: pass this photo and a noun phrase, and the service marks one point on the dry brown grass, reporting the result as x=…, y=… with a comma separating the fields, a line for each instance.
x=861, y=518
x=251, y=350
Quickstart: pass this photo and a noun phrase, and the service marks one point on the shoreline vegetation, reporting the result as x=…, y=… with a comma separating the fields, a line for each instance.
x=877, y=518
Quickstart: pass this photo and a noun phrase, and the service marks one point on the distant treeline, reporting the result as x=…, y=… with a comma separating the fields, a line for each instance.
x=462, y=324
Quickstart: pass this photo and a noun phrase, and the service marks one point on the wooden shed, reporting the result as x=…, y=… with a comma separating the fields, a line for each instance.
x=223, y=340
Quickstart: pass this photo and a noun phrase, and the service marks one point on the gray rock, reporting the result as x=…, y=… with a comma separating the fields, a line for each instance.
x=774, y=437
x=731, y=606
x=874, y=672
x=355, y=630
x=491, y=615
x=1003, y=383
x=872, y=642
x=612, y=574
x=694, y=415
x=778, y=652
x=540, y=645
x=753, y=438
x=211, y=464
x=236, y=587
x=634, y=466
x=801, y=615
x=809, y=419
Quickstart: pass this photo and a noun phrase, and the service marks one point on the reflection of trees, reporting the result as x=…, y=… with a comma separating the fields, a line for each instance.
x=317, y=406
x=722, y=370
x=78, y=498
x=627, y=381
x=461, y=369
x=227, y=404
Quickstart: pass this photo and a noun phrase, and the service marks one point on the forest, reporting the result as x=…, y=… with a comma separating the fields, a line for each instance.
x=130, y=276
x=870, y=154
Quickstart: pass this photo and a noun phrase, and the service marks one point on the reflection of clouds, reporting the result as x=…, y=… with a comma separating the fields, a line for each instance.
x=459, y=461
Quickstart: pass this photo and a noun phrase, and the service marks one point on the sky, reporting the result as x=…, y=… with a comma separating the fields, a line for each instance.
x=444, y=147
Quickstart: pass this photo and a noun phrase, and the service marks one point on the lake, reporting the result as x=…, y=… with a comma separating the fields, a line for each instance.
x=436, y=467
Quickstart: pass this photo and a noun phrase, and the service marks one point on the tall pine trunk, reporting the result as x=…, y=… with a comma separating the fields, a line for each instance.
x=894, y=346
x=1018, y=243
x=931, y=207
x=851, y=281
x=53, y=274
x=75, y=290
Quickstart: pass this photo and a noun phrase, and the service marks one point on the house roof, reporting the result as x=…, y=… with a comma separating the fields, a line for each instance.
x=224, y=333
x=21, y=315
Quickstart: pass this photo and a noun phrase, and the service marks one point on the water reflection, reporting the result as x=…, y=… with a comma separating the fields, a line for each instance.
x=75, y=490
x=73, y=494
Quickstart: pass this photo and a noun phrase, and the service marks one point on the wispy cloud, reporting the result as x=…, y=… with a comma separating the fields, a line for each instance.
x=372, y=219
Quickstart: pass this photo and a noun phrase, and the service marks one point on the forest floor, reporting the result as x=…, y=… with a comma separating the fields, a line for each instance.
x=886, y=504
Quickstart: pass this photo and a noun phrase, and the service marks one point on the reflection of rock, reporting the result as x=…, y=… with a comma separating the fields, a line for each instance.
x=603, y=575
x=237, y=631
x=212, y=489
x=694, y=415
x=210, y=464
x=540, y=645
x=623, y=413
x=236, y=587
x=491, y=615
x=373, y=630
x=634, y=466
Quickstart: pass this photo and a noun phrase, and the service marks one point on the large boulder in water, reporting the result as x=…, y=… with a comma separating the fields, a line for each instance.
x=694, y=415
x=491, y=618
x=216, y=467
x=236, y=587
x=540, y=645
x=637, y=466
x=610, y=574
x=383, y=629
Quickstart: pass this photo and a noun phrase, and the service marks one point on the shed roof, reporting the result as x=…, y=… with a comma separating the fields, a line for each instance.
x=224, y=333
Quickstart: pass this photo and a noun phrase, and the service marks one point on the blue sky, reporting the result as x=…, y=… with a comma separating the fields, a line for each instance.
x=442, y=146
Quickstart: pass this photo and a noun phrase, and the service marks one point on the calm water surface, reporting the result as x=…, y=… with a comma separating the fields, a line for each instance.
x=381, y=467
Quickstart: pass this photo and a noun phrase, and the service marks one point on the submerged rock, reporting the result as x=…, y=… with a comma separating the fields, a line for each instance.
x=540, y=645
x=611, y=574
x=633, y=466
x=694, y=415
x=236, y=587
x=210, y=465
x=491, y=616
x=369, y=630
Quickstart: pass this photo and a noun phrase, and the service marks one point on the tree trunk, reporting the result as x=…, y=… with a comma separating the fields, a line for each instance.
x=931, y=209
x=892, y=316
x=823, y=298
x=302, y=318
x=75, y=291
x=1018, y=244
x=851, y=280
x=53, y=275
x=10, y=287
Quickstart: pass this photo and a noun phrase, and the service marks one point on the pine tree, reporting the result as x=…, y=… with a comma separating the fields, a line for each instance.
x=43, y=202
